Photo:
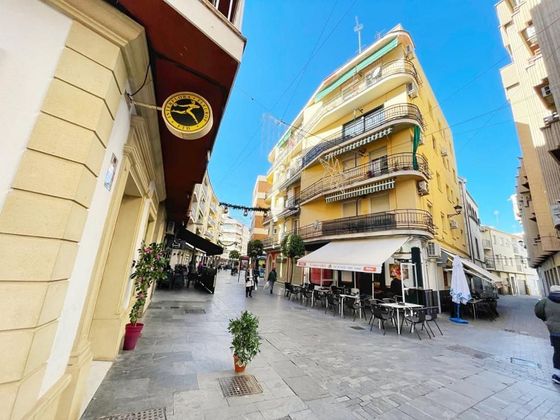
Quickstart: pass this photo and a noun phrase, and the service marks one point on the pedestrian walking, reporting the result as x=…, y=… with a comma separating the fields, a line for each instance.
x=548, y=309
x=272, y=276
x=249, y=283
x=256, y=277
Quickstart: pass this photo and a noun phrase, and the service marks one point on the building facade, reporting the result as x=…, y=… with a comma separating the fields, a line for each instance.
x=234, y=236
x=370, y=156
x=88, y=175
x=261, y=189
x=472, y=225
x=531, y=34
x=205, y=212
x=505, y=255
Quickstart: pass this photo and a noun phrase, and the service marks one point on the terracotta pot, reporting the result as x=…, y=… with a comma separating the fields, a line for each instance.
x=131, y=335
x=238, y=369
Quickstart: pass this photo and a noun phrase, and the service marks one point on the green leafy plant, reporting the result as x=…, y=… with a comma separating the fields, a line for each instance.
x=255, y=248
x=246, y=341
x=234, y=255
x=150, y=267
x=292, y=246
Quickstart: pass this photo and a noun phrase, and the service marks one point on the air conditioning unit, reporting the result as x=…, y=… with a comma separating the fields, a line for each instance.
x=444, y=152
x=411, y=90
x=551, y=118
x=545, y=91
x=434, y=250
x=423, y=188
x=453, y=224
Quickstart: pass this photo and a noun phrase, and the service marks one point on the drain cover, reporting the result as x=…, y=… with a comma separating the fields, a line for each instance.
x=524, y=362
x=469, y=351
x=356, y=327
x=150, y=414
x=237, y=386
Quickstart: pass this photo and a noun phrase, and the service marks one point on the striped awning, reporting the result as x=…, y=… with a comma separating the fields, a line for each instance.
x=358, y=191
x=359, y=143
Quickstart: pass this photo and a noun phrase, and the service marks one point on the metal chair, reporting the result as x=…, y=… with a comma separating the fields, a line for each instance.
x=417, y=316
x=431, y=316
x=380, y=314
x=306, y=295
x=333, y=302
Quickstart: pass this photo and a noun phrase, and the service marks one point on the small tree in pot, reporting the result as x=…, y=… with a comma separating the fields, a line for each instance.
x=150, y=267
x=246, y=341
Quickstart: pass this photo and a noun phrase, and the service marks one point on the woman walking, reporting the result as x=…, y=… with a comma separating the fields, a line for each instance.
x=249, y=283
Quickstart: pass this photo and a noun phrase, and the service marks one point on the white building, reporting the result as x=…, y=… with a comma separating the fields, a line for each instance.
x=506, y=256
x=472, y=225
x=234, y=236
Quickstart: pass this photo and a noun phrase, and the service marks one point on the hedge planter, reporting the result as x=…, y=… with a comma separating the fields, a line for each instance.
x=246, y=341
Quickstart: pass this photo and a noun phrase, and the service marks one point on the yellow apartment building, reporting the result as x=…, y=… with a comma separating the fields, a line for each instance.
x=531, y=34
x=260, y=190
x=369, y=166
x=87, y=174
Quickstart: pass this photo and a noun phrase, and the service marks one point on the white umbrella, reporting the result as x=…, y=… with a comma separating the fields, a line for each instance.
x=460, y=292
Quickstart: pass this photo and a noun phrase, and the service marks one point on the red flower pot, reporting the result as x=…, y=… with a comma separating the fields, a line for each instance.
x=131, y=335
x=238, y=368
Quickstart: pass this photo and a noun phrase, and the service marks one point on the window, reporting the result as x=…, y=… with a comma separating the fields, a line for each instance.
x=438, y=179
x=349, y=208
x=353, y=128
x=443, y=224
x=476, y=248
x=430, y=209
x=349, y=163
x=447, y=192
x=434, y=143
x=374, y=118
x=379, y=202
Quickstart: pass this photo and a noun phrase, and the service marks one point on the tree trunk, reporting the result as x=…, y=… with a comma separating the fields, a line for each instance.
x=291, y=270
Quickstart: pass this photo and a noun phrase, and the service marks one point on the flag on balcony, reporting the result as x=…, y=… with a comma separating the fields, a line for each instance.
x=415, y=144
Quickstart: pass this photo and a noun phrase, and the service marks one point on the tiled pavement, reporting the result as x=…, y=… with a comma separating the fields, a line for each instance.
x=314, y=366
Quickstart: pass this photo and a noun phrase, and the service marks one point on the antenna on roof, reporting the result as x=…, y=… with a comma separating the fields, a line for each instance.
x=358, y=29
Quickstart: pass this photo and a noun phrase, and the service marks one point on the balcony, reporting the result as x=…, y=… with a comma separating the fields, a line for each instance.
x=399, y=164
x=379, y=124
x=375, y=83
x=490, y=264
x=273, y=242
x=409, y=220
x=291, y=207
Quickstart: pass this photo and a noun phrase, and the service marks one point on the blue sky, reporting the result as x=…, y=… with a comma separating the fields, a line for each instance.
x=294, y=44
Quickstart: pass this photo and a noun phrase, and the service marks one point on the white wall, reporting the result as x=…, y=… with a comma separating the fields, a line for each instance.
x=32, y=37
x=87, y=253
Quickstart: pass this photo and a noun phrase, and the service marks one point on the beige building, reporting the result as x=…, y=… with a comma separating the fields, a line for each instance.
x=505, y=255
x=531, y=35
x=261, y=189
x=367, y=171
x=205, y=212
x=234, y=236
x=87, y=175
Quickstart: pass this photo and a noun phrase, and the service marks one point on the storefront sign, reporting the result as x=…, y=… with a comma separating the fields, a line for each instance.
x=187, y=115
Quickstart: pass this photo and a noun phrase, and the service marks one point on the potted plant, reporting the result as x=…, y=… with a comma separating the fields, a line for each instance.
x=246, y=341
x=150, y=267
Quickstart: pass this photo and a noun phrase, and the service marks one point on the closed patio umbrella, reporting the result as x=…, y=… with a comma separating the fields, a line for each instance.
x=460, y=292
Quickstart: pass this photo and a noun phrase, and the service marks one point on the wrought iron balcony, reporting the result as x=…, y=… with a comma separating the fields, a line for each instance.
x=373, y=78
x=384, y=117
x=273, y=242
x=371, y=171
x=417, y=220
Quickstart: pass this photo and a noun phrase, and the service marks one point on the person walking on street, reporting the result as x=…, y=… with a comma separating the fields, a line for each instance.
x=248, y=283
x=272, y=279
x=548, y=309
x=256, y=276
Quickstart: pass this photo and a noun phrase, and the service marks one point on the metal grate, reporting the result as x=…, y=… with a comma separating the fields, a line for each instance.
x=149, y=414
x=357, y=327
x=195, y=311
x=469, y=351
x=237, y=386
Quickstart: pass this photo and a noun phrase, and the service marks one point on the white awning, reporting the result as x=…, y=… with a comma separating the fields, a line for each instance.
x=363, y=255
x=481, y=272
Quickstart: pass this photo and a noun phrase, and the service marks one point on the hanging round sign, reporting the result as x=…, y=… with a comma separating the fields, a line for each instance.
x=187, y=115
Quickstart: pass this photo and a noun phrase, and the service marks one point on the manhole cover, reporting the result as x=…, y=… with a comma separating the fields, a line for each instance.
x=524, y=362
x=237, y=386
x=469, y=351
x=356, y=327
x=150, y=414
x=195, y=311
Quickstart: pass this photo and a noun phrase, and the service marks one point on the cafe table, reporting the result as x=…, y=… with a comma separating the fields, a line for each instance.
x=398, y=307
x=342, y=297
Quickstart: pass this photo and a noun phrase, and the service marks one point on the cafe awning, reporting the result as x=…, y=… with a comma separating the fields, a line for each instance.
x=210, y=248
x=363, y=255
x=474, y=270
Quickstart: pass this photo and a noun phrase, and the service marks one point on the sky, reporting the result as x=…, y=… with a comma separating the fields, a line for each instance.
x=292, y=45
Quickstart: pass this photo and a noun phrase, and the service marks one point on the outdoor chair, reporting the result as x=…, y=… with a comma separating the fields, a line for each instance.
x=398, y=298
x=296, y=291
x=417, y=317
x=380, y=314
x=354, y=305
x=431, y=316
x=287, y=290
x=389, y=300
x=306, y=295
x=333, y=302
x=320, y=298
x=369, y=307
